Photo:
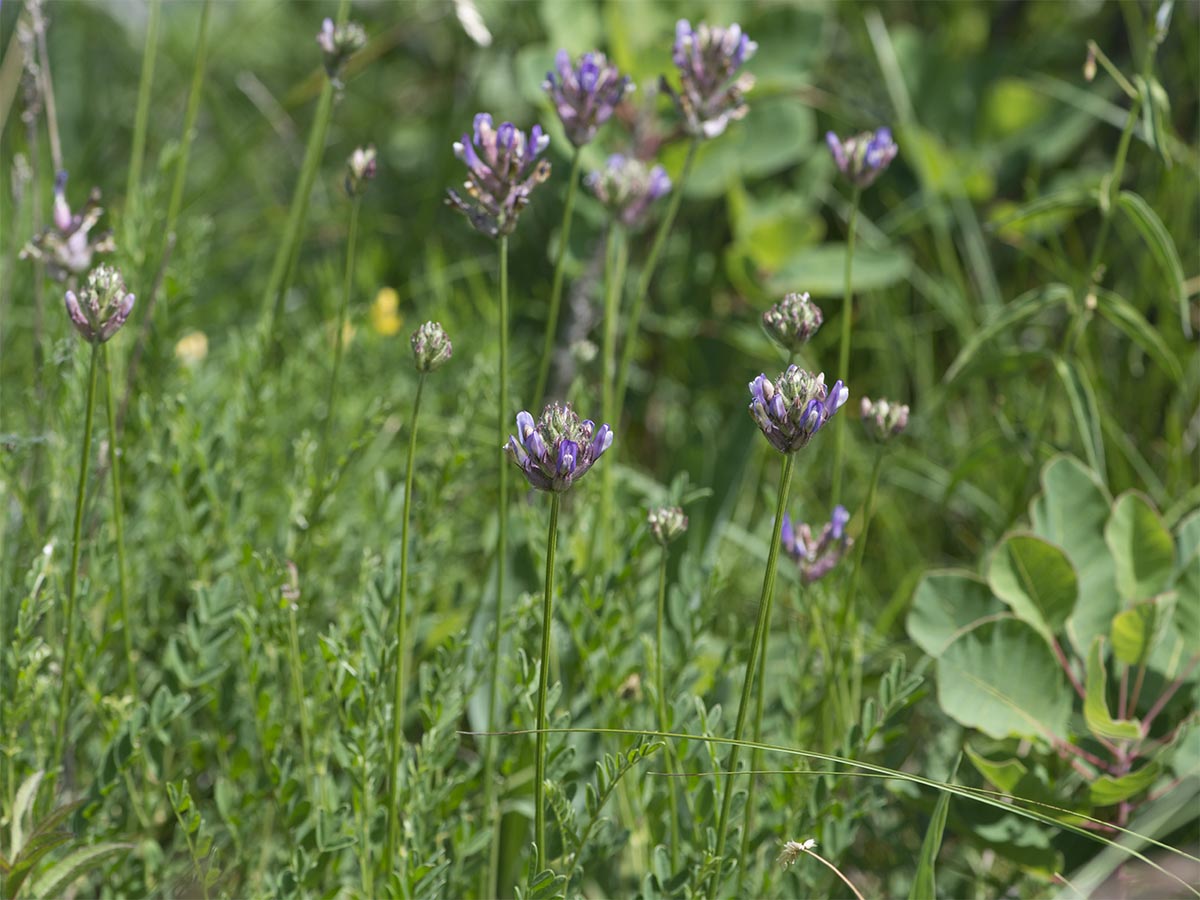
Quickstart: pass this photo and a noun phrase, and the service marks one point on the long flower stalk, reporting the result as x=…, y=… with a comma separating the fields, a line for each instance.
x=755, y=760
x=614, y=271
x=556, y=290
x=647, y=274
x=660, y=690
x=839, y=435
x=760, y=626
x=393, y=815
x=114, y=463
x=539, y=781
x=85, y=453
x=137, y=153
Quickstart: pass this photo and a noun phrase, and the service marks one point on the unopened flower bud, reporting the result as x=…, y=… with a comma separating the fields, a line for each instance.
x=667, y=523
x=793, y=321
x=338, y=43
x=883, y=419
x=431, y=347
x=863, y=158
x=360, y=168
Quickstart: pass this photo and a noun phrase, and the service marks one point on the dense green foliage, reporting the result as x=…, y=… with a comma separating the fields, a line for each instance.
x=996, y=680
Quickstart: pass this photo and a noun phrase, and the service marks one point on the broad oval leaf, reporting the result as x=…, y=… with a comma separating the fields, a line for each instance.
x=1002, y=679
x=1095, y=704
x=1141, y=547
x=822, y=269
x=946, y=605
x=1037, y=581
x=1133, y=633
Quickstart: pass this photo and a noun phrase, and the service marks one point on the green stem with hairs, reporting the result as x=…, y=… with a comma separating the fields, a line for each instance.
x=114, y=468
x=839, y=442
x=647, y=275
x=85, y=453
x=488, y=886
x=756, y=642
x=564, y=236
x=393, y=816
x=660, y=689
x=281, y=267
x=539, y=786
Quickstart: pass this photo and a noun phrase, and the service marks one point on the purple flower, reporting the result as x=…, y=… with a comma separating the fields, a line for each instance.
x=863, y=158
x=883, y=419
x=793, y=321
x=338, y=43
x=708, y=60
x=67, y=246
x=586, y=95
x=501, y=174
x=792, y=409
x=628, y=187
x=361, y=167
x=816, y=556
x=102, y=306
x=556, y=452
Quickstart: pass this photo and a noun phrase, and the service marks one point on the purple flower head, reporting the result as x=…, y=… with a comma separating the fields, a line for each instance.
x=628, y=187
x=360, y=168
x=711, y=90
x=67, y=246
x=430, y=346
x=816, y=556
x=863, y=158
x=502, y=171
x=883, y=419
x=556, y=451
x=793, y=321
x=792, y=409
x=338, y=43
x=585, y=95
x=667, y=523
x=102, y=305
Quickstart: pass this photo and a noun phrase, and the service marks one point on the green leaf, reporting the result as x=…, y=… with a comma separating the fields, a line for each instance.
x=1187, y=604
x=1037, y=581
x=1002, y=679
x=1133, y=633
x=1084, y=410
x=55, y=880
x=822, y=269
x=1141, y=547
x=945, y=605
x=1125, y=316
x=1024, y=307
x=1005, y=775
x=1106, y=790
x=21, y=807
x=1158, y=239
x=1046, y=213
x=1095, y=704
x=923, y=885
x=1071, y=511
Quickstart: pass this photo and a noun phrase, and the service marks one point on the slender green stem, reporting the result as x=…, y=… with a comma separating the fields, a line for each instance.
x=137, y=154
x=339, y=349
x=755, y=761
x=660, y=689
x=114, y=468
x=489, y=758
x=285, y=252
x=299, y=695
x=760, y=626
x=647, y=275
x=393, y=819
x=85, y=453
x=539, y=780
x=839, y=442
x=564, y=237
x=614, y=276
x=364, y=850
x=850, y=599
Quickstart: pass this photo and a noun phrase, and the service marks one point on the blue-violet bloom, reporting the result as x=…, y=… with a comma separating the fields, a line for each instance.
x=708, y=59
x=585, y=95
x=792, y=409
x=101, y=307
x=67, y=245
x=816, y=556
x=627, y=186
x=502, y=171
x=863, y=158
x=556, y=451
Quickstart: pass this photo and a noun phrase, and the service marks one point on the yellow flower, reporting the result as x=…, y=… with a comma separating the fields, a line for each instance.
x=385, y=312
x=192, y=348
